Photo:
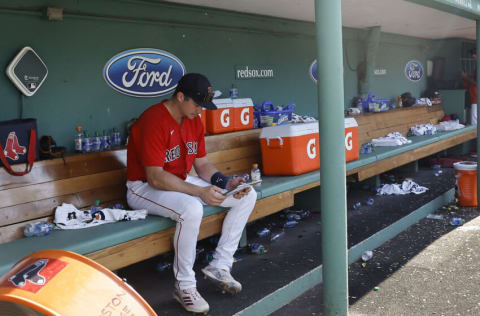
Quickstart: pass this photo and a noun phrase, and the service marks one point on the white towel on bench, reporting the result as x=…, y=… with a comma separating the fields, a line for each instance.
x=68, y=216
x=392, y=139
x=407, y=186
x=449, y=125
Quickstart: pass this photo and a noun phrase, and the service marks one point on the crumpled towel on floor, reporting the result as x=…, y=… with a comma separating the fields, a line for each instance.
x=407, y=186
x=392, y=139
x=68, y=216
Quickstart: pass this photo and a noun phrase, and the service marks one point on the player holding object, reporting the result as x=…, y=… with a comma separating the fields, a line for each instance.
x=164, y=144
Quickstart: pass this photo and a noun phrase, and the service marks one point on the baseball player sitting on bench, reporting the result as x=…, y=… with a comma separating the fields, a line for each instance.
x=164, y=144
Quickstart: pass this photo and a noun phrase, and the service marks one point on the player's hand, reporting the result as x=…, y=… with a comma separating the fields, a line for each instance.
x=235, y=182
x=464, y=74
x=212, y=195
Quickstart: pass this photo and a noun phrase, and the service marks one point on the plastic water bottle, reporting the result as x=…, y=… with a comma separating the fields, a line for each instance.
x=117, y=206
x=255, y=173
x=105, y=141
x=95, y=207
x=366, y=148
x=116, y=140
x=86, y=143
x=163, y=266
x=257, y=248
x=293, y=217
x=457, y=221
x=367, y=255
x=435, y=216
x=263, y=232
x=78, y=140
x=96, y=142
x=277, y=236
x=303, y=213
x=290, y=224
x=233, y=92
x=38, y=229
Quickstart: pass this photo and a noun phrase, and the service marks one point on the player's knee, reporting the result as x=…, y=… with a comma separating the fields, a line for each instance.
x=252, y=196
x=193, y=210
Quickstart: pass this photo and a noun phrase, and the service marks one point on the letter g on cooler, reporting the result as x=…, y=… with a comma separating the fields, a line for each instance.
x=144, y=72
x=311, y=149
x=225, y=118
x=349, y=141
x=245, y=116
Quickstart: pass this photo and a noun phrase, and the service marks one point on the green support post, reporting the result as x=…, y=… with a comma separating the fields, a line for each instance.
x=328, y=23
x=478, y=106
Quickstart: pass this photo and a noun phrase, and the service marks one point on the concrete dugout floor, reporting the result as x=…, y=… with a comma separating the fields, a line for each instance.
x=298, y=251
x=432, y=268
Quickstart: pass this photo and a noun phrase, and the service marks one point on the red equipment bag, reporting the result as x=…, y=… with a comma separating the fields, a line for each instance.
x=18, y=144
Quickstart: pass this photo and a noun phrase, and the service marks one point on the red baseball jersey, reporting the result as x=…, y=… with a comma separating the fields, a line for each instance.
x=157, y=139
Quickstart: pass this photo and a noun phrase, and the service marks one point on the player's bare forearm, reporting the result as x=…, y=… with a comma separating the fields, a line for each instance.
x=204, y=168
x=164, y=180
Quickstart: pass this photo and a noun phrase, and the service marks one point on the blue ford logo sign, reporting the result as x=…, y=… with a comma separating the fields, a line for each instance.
x=143, y=72
x=414, y=70
x=313, y=71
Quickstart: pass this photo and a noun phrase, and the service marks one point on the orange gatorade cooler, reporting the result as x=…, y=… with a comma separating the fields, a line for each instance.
x=203, y=117
x=221, y=120
x=294, y=149
x=290, y=149
x=466, y=183
x=352, y=150
x=243, y=112
x=63, y=283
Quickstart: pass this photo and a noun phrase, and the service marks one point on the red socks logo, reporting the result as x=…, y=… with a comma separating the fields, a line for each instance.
x=13, y=148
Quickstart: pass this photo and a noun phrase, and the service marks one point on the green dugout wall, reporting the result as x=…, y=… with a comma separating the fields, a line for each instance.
x=206, y=40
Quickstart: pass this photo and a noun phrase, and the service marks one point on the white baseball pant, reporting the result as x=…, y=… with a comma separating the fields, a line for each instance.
x=187, y=211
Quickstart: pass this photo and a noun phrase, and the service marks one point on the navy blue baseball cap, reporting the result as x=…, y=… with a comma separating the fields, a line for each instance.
x=197, y=87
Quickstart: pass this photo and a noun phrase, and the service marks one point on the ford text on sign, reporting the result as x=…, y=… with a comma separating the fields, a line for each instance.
x=144, y=72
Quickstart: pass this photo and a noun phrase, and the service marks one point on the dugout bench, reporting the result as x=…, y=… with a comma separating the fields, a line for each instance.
x=81, y=179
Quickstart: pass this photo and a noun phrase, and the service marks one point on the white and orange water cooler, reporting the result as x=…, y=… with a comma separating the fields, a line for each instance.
x=222, y=119
x=295, y=148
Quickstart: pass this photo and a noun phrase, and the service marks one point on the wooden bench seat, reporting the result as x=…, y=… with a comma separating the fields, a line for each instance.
x=85, y=178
